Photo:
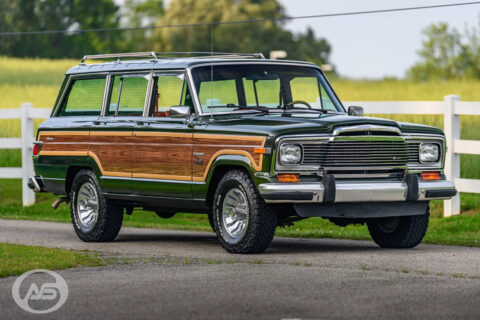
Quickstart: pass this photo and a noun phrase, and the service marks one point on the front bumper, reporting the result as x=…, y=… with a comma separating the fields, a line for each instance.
x=355, y=191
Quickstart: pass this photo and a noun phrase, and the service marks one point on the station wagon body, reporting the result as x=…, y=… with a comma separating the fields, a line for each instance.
x=253, y=143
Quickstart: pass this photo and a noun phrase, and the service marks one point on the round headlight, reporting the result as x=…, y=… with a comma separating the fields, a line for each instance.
x=429, y=152
x=290, y=154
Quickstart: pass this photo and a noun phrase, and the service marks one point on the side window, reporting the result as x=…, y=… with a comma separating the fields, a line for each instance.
x=128, y=95
x=84, y=98
x=326, y=101
x=167, y=92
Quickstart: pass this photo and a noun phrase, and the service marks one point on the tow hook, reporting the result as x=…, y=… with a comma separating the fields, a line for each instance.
x=57, y=202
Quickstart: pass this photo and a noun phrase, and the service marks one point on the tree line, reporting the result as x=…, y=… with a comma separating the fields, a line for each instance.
x=74, y=15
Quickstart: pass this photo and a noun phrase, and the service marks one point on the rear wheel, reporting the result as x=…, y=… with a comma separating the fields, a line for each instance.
x=94, y=218
x=399, y=232
x=244, y=223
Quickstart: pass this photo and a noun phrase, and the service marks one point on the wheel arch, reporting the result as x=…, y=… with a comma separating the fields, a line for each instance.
x=220, y=167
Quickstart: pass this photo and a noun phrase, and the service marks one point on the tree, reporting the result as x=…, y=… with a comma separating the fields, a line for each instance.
x=242, y=37
x=445, y=54
x=139, y=13
x=71, y=15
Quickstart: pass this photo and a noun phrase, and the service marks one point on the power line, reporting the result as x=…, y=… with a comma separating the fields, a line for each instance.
x=327, y=15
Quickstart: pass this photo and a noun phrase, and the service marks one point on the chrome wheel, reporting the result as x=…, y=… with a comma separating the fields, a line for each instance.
x=388, y=225
x=87, y=206
x=235, y=213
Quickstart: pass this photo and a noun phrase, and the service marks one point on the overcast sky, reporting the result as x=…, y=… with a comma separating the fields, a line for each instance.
x=376, y=45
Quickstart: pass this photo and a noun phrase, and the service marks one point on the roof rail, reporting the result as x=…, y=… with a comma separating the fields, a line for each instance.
x=155, y=55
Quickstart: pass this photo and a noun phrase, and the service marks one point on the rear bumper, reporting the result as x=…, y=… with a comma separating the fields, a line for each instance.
x=353, y=191
x=36, y=184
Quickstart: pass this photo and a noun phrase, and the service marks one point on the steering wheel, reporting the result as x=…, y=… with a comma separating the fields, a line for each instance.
x=298, y=101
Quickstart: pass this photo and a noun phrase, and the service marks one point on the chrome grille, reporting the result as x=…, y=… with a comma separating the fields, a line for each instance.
x=355, y=153
x=412, y=152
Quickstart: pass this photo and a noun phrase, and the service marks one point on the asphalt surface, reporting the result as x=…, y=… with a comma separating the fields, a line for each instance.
x=160, y=274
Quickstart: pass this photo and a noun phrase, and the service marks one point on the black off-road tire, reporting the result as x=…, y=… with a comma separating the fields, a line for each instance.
x=210, y=220
x=408, y=233
x=262, y=220
x=110, y=215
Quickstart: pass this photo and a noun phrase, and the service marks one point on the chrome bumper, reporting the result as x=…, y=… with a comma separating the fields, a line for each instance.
x=352, y=191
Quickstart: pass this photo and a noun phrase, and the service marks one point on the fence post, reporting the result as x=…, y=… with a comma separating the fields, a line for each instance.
x=452, y=160
x=28, y=196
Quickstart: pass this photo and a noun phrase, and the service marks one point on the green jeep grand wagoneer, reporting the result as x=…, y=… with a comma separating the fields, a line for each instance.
x=253, y=143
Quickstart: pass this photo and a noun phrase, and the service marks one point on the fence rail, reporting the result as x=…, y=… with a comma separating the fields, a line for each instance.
x=451, y=109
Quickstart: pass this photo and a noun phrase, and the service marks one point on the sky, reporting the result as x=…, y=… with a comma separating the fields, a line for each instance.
x=376, y=45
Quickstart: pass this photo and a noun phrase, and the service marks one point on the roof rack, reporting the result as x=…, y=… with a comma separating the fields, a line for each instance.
x=156, y=55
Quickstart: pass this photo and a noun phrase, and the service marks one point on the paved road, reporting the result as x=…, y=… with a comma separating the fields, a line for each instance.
x=175, y=274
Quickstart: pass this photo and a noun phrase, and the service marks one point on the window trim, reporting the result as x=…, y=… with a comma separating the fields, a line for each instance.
x=69, y=84
x=109, y=90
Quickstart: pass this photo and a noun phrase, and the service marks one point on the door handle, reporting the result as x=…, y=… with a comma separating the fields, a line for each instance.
x=98, y=122
x=140, y=123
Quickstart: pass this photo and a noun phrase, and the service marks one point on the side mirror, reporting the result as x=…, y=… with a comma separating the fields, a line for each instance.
x=355, y=111
x=180, y=112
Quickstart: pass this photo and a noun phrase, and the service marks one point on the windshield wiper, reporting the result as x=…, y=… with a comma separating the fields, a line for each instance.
x=233, y=106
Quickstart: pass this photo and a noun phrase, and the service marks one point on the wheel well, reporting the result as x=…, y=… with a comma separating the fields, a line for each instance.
x=71, y=172
x=218, y=173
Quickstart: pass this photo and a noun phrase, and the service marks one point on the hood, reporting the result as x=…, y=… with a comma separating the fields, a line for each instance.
x=282, y=124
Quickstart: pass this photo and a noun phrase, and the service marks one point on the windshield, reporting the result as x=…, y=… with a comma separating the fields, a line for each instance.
x=228, y=88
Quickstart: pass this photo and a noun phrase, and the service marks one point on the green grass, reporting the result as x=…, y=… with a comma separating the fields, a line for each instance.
x=17, y=259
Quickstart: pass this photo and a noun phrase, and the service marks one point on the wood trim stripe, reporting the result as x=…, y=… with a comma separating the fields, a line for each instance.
x=63, y=133
x=230, y=137
x=64, y=153
x=256, y=166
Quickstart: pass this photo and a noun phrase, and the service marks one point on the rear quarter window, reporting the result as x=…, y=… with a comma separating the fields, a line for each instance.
x=84, y=98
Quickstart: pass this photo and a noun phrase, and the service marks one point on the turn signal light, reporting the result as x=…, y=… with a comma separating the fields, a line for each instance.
x=259, y=150
x=288, y=177
x=431, y=176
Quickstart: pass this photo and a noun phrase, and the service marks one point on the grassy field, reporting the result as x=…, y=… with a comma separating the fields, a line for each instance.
x=38, y=81
x=17, y=259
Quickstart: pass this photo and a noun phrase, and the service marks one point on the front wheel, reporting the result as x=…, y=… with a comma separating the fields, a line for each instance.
x=244, y=223
x=399, y=232
x=94, y=218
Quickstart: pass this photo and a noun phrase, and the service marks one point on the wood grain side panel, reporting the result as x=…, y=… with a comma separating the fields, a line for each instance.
x=163, y=157
x=113, y=152
x=64, y=141
x=208, y=147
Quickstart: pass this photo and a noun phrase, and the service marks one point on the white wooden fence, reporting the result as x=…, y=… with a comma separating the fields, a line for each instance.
x=26, y=114
x=451, y=108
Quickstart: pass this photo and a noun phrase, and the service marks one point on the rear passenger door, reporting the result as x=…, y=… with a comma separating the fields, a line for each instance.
x=111, y=139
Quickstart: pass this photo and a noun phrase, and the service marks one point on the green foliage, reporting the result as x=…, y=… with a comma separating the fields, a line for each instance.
x=246, y=37
x=447, y=54
x=71, y=15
